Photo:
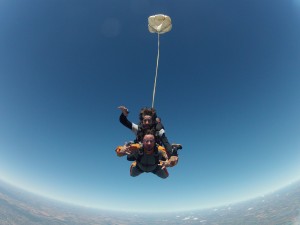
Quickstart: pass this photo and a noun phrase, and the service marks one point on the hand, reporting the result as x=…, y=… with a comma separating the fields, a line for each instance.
x=169, y=163
x=124, y=110
x=164, y=164
x=126, y=149
x=173, y=160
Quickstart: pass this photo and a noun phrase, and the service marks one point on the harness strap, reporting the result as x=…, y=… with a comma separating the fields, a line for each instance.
x=141, y=154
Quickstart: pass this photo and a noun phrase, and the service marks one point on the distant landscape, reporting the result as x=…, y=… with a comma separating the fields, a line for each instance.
x=22, y=208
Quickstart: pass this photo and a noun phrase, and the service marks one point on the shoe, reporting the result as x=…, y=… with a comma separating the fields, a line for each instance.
x=176, y=146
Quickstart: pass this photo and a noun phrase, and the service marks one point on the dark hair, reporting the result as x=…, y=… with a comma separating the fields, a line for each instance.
x=148, y=112
x=144, y=132
x=149, y=131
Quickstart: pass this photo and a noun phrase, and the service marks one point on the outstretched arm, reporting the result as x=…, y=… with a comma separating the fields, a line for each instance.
x=127, y=149
x=172, y=161
x=169, y=163
x=123, y=119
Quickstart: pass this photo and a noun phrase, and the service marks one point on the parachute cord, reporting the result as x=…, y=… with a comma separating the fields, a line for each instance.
x=156, y=71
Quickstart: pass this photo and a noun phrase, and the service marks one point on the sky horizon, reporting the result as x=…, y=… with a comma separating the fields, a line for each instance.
x=95, y=207
x=227, y=90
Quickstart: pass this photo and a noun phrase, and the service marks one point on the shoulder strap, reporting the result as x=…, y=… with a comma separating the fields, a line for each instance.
x=139, y=134
x=156, y=154
x=140, y=153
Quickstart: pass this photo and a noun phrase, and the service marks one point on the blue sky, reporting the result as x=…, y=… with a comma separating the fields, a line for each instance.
x=228, y=90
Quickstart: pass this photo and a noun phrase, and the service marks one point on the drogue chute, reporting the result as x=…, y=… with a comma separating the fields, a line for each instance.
x=159, y=24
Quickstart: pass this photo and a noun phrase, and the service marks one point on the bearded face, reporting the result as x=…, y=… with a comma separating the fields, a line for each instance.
x=147, y=121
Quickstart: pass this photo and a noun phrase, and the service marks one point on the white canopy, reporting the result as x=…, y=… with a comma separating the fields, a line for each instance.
x=159, y=23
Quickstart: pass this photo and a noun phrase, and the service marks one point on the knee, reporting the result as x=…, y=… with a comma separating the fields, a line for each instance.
x=133, y=174
x=134, y=171
x=165, y=176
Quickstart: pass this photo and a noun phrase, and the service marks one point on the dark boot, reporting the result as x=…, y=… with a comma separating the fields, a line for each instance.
x=175, y=148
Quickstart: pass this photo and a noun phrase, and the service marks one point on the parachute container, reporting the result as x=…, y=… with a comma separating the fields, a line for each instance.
x=159, y=24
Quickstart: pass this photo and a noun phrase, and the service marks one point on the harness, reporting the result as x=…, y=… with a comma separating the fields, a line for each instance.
x=156, y=157
x=140, y=134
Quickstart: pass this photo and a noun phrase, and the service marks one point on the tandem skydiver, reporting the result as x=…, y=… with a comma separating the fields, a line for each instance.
x=148, y=156
x=150, y=121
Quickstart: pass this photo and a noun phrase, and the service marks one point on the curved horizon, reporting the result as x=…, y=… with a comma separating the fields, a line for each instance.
x=70, y=202
x=227, y=90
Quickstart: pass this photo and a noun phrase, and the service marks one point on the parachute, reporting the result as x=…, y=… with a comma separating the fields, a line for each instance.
x=159, y=24
x=167, y=156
